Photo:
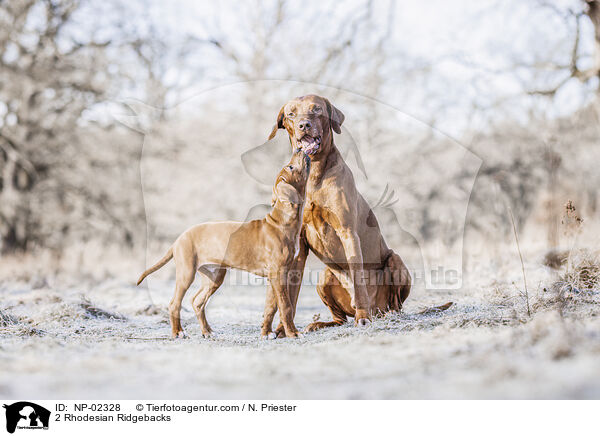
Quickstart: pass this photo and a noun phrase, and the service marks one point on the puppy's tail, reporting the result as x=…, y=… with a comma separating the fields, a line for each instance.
x=167, y=257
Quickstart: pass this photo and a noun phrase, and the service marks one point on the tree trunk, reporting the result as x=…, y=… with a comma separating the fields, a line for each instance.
x=13, y=236
x=593, y=12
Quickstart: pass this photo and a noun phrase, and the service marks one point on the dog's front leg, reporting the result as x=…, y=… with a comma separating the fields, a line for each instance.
x=352, y=250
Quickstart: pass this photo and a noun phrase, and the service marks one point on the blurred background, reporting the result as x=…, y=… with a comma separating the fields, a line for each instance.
x=121, y=123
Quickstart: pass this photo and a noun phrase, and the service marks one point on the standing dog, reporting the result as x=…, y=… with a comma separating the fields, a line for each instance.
x=264, y=247
x=363, y=276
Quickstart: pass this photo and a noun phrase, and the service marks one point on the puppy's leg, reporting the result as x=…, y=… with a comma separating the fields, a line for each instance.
x=200, y=300
x=279, y=283
x=184, y=276
x=182, y=284
x=269, y=314
x=295, y=274
x=335, y=297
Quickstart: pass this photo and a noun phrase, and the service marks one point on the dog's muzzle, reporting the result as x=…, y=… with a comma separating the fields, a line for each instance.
x=309, y=144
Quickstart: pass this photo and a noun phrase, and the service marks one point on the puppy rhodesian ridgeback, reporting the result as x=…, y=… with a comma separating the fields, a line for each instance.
x=363, y=275
x=263, y=247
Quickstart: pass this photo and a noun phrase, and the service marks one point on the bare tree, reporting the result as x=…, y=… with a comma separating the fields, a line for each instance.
x=48, y=79
x=346, y=52
x=590, y=10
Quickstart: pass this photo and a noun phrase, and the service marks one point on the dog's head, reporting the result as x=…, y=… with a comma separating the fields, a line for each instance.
x=310, y=122
x=290, y=185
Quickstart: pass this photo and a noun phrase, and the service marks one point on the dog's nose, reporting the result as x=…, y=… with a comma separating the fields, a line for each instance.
x=304, y=125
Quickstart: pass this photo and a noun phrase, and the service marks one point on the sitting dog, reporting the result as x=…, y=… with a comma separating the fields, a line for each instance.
x=265, y=247
x=339, y=226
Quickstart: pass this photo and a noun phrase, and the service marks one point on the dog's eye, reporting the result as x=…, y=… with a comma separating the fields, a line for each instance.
x=316, y=110
x=291, y=167
x=291, y=115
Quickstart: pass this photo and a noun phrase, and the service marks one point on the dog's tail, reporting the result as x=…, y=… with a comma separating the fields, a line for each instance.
x=167, y=257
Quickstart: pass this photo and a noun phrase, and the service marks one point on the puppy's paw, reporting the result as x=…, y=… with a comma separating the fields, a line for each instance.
x=207, y=335
x=181, y=335
x=271, y=335
x=280, y=332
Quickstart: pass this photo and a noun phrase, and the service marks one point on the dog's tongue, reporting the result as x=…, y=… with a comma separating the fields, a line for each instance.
x=309, y=145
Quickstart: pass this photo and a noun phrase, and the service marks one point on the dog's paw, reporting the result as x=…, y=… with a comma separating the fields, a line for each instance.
x=363, y=322
x=181, y=335
x=362, y=318
x=271, y=336
x=280, y=332
x=207, y=335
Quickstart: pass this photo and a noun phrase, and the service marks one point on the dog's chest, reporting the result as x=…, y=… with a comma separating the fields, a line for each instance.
x=320, y=233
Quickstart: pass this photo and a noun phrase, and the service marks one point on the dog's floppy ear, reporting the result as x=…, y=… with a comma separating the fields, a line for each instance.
x=336, y=117
x=285, y=193
x=278, y=125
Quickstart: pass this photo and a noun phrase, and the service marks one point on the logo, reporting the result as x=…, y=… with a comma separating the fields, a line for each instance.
x=26, y=415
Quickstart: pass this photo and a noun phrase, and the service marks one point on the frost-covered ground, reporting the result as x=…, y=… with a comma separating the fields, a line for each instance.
x=104, y=341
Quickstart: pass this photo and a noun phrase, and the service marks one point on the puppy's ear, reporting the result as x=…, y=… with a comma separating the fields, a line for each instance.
x=278, y=124
x=336, y=117
x=286, y=193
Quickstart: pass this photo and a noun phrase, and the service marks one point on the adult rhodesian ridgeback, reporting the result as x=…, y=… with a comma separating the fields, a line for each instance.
x=363, y=276
x=264, y=247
